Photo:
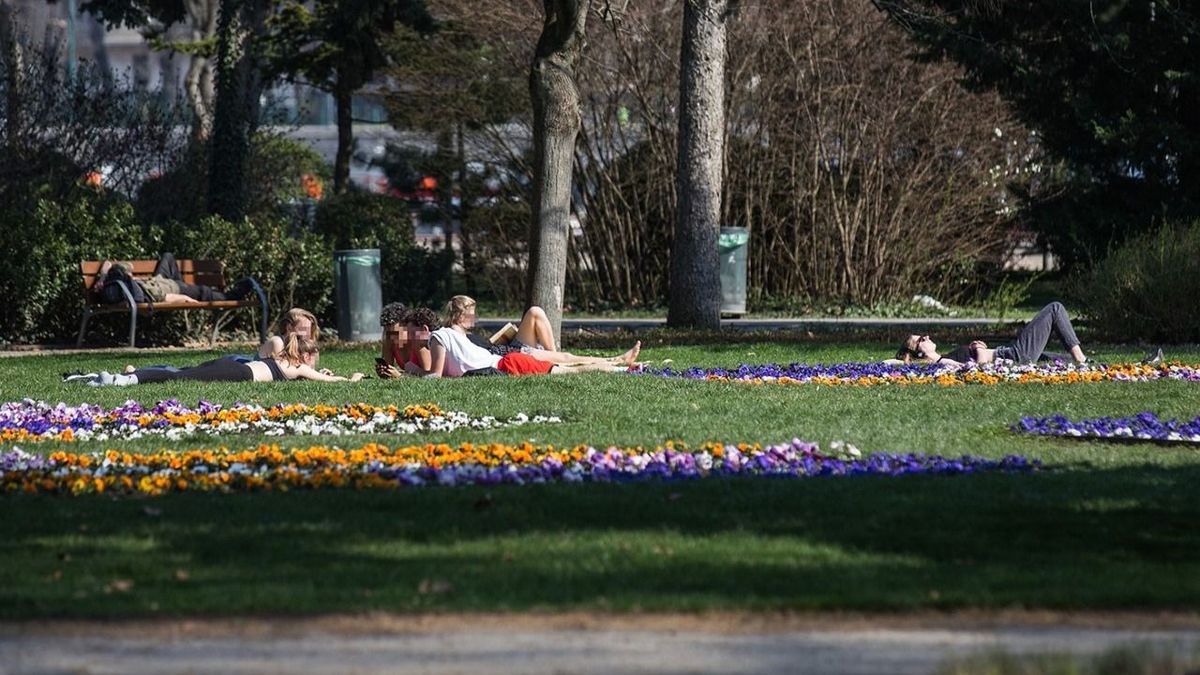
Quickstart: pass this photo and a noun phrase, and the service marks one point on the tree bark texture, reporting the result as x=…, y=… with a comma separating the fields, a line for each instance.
x=556, y=119
x=11, y=53
x=695, y=292
x=239, y=83
x=202, y=21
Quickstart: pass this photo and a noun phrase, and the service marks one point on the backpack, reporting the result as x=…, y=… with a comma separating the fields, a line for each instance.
x=110, y=292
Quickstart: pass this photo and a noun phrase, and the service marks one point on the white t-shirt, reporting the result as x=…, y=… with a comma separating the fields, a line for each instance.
x=462, y=354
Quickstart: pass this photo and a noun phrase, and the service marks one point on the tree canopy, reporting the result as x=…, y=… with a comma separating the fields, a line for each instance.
x=1109, y=86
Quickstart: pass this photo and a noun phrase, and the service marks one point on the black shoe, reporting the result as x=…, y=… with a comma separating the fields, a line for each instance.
x=1153, y=358
x=240, y=290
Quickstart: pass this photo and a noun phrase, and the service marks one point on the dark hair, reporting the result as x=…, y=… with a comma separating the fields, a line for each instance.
x=905, y=354
x=392, y=313
x=421, y=316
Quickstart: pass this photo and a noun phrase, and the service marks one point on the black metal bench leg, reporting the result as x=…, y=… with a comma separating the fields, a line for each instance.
x=87, y=314
x=133, y=327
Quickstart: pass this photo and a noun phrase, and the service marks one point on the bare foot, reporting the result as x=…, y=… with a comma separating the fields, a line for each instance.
x=630, y=357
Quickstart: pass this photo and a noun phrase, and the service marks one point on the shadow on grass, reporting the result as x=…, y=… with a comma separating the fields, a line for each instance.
x=1100, y=538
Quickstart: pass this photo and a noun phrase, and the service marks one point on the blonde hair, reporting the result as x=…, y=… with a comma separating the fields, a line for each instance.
x=297, y=347
x=456, y=308
x=294, y=316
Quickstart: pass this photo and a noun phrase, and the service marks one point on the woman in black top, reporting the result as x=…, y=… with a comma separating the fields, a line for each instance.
x=1029, y=346
x=295, y=361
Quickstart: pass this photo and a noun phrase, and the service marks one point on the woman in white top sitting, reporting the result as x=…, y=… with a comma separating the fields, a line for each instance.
x=453, y=353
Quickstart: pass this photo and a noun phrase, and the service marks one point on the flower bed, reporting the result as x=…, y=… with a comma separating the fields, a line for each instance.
x=871, y=374
x=376, y=466
x=1145, y=426
x=28, y=420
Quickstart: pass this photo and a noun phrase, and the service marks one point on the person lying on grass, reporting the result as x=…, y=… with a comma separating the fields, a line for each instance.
x=295, y=361
x=534, y=337
x=453, y=354
x=1029, y=346
x=295, y=321
x=405, y=340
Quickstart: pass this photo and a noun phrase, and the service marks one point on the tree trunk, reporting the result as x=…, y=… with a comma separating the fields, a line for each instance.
x=202, y=18
x=235, y=115
x=13, y=58
x=343, y=97
x=464, y=209
x=556, y=117
x=695, y=267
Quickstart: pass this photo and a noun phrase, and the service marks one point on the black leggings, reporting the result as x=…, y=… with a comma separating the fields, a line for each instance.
x=217, y=370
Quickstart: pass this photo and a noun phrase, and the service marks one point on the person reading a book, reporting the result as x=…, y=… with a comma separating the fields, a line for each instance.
x=533, y=337
x=453, y=354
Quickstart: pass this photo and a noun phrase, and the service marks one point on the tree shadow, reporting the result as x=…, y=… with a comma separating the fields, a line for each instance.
x=1087, y=537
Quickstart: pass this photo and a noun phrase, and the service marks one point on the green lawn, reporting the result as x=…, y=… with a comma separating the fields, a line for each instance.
x=1104, y=526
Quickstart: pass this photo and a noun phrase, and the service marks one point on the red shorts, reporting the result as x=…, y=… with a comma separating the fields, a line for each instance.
x=516, y=363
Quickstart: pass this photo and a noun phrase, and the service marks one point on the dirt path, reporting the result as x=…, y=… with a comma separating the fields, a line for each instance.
x=575, y=643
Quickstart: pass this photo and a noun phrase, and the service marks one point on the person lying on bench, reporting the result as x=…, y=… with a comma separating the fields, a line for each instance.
x=296, y=361
x=166, y=285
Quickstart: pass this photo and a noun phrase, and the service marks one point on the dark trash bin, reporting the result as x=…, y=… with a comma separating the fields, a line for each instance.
x=357, y=294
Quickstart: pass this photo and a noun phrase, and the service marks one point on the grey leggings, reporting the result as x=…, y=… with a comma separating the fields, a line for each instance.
x=1030, y=345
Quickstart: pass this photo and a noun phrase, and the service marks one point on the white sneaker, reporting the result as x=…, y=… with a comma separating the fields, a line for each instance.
x=80, y=377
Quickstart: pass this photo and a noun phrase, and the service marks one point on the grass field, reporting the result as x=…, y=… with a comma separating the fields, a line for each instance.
x=1103, y=526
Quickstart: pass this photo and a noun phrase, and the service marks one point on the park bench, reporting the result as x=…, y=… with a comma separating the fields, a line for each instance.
x=205, y=272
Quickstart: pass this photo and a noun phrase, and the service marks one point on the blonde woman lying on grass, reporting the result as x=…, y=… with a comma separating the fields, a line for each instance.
x=296, y=360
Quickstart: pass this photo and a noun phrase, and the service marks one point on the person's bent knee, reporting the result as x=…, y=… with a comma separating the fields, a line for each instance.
x=1056, y=306
x=536, y=312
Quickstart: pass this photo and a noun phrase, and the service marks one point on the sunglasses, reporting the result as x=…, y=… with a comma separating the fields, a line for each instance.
x=916, y=348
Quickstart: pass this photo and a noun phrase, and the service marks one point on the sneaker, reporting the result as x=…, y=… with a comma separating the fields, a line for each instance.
x=242, y=289
x=1153, y=358
x=79, y=377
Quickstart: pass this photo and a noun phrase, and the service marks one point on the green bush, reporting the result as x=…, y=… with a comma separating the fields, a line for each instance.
x=294, y=270
x=40, y=279
x=1147, y=288
x=356, y=220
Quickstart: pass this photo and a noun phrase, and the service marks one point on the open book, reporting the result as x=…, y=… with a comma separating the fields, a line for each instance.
x=505, y=335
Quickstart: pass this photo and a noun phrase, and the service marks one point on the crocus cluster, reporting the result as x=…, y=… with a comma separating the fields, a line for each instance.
x=29, y=420
x=1145, y=426
x=877, y=373
x=268, y=467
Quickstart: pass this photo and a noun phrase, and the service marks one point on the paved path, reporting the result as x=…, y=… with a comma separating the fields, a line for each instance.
x=517, y=645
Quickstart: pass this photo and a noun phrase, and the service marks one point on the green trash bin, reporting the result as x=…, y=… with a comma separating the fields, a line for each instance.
x=734, y=248
x=357, y=293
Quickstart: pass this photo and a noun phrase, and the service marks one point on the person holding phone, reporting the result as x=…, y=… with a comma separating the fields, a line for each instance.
x=406, y=341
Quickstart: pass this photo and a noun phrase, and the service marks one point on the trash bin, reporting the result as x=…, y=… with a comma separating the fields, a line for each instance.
x=734, y=248
x=357, y=294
